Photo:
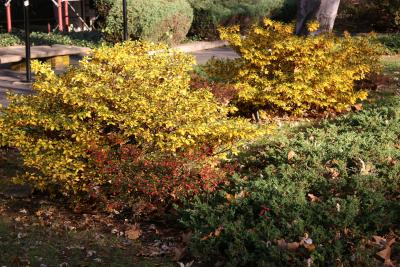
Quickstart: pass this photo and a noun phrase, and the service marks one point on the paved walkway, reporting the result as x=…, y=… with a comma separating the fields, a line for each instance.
x=220, y=52
x=13, y=80
x=17, y=53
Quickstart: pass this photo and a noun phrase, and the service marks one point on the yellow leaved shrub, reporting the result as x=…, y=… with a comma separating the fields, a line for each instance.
x=281, y=72
x=137, y=93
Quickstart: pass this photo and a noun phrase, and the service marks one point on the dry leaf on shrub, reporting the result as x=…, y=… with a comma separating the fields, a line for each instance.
x=217, y=232
x=358, y=107
x=230, y=197
x=333, y=172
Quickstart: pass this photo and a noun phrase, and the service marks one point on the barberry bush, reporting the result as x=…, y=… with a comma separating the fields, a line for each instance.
x=281, y=72
x=133, y=96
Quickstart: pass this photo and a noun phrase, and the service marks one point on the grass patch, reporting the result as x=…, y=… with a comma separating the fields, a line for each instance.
x=35, y=229
x=35, y=245
x=391, y=63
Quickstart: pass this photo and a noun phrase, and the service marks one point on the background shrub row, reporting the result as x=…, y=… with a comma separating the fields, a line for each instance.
x=170, y=21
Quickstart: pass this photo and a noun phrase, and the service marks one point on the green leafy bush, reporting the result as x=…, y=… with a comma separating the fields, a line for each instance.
x=102, y=8
x=155, y=20
x=133, y=96
x=369, y=15
x=87, y=39
x=281, y=72
x=208, y=14
x=287, y=12
x=316, y=195
x=390, y=41
x=7, y=39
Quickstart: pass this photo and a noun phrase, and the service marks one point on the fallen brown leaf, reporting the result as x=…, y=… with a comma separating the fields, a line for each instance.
x=189, y=264
x=291, y=155
x=179, y=252
x=358, y=107
x=385, y=254
x=313, y=198
x=366, y=168
x=378, y=240
x=391, y=242
x=333, y=172
x=293, y=246
x=281, y=243
x=186, y=237
x=218, y=231
x=230, y=197
x=310, y=247
x=134, y=232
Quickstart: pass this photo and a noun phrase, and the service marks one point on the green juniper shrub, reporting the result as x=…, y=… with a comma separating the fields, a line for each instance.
x=315, y=195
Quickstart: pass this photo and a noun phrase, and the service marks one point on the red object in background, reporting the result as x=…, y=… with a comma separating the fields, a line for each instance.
x=8, y=11
x=60, y=19
x=66, y=15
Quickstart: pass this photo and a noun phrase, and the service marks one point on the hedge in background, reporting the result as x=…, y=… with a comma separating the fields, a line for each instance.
x=121, y=99
x=391, y=42
x=152, y=20
x=210, y=14
x=309, y=198
x=369, y=15
x=281, y=72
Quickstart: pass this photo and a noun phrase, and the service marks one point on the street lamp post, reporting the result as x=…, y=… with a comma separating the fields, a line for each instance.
x=27, y=42
x=8, y=12
x=125, y=18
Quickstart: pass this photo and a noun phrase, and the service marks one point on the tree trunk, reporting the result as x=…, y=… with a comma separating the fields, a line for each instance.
x=324, y=11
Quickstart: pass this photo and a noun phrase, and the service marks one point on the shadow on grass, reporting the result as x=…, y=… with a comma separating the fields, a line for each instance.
x=35, y=230
x=22, y=245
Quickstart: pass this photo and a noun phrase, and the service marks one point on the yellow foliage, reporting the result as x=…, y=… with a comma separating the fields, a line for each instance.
x=136, y=91
x=279, y=71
